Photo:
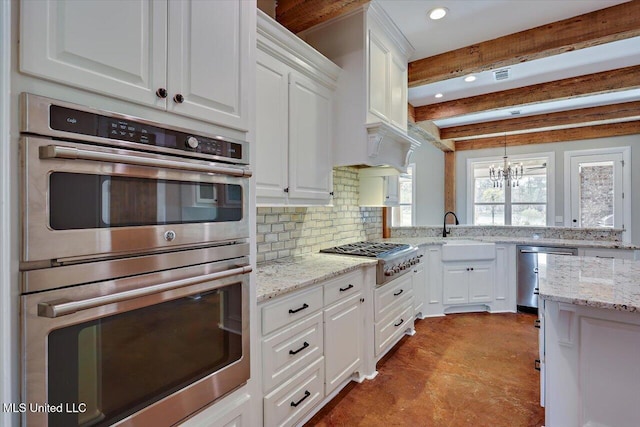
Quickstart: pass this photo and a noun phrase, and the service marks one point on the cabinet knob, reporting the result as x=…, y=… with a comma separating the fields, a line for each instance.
x=161, y=93
x=286, y=190
x=178, y=98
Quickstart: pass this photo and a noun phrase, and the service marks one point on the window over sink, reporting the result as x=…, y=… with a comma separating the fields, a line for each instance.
x=403, y=214
x=524, y=202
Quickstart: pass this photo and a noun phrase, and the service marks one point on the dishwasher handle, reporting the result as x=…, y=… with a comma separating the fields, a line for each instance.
x=527, y=251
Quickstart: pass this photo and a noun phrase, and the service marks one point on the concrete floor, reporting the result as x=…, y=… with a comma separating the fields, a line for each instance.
x=459, y=370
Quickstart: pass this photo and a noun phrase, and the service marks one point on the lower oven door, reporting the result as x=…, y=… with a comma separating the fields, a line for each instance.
x=146, y=350
x=93, y=201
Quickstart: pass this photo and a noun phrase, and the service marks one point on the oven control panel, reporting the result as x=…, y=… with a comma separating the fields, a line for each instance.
x=107, y=126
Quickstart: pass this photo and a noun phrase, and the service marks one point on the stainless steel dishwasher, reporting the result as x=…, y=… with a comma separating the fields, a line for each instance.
x=529, y=258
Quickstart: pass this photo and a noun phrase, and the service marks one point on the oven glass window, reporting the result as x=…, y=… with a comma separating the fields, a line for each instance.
x=84, y=201
x=115, y=366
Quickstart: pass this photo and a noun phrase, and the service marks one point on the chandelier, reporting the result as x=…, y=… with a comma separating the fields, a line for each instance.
x=507, y=173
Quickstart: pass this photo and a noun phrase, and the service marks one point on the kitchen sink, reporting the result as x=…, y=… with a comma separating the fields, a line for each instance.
x=468, y=250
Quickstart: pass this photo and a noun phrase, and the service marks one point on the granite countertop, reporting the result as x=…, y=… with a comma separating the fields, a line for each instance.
x=595, y=282
x=418, y=241
x=279, y=277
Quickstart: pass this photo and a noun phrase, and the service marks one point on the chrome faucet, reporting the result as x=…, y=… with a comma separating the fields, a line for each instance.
x=444, y=223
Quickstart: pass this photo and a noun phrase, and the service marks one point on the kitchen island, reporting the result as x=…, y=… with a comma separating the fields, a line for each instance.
x=590, y=341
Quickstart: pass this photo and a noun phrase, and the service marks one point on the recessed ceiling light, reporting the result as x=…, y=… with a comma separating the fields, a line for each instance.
x=438, y=13
x=439, y=95
x=470, y=78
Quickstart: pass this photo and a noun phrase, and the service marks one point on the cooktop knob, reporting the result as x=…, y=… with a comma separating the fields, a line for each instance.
x=192, y=142
x=388, y=272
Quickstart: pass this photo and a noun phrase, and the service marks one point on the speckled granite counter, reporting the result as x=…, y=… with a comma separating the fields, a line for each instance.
x=279, y=277
x=603, y=244
x=595, y=282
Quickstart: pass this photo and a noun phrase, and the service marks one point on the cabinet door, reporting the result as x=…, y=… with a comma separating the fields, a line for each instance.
x=481, y=283
x=455, y=284
x=343, y=341
x=419, y=289
x=310, y=165
x=272, y=130
x=391, y=190
x=113, y=47
x=378, y=77
x=398, y=92
x=209, y=46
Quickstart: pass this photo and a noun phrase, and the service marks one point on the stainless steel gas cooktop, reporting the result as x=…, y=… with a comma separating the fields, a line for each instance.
x=394, y=259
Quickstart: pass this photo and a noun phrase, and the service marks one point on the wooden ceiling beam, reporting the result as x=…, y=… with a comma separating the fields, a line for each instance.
x=582, y=116
x=590, y=84
x=590, y=29
x=299, y=15
x=560, y=135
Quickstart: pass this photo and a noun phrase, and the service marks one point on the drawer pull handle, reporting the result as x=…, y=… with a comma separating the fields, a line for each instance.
x=398, y=293
x=536, y=323
x=305, y=345
x=536, y=365
x=347, y=288
x=307, y=393
x=399, y=323
x=305, y=305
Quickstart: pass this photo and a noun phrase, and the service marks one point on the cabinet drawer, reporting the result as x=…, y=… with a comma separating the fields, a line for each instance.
x=290, y=402
x=393, y=326
x=343, y=286
x=291, y=349
x=278, y=314
x=388, y=296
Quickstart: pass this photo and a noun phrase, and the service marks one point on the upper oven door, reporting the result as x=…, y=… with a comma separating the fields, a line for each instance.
x=85, y=201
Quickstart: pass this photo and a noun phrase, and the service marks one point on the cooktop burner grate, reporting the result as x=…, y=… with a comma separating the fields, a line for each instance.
x=367, y=249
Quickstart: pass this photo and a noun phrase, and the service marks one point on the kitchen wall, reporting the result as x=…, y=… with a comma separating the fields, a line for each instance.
x=559, y=149
x=289, y=231
x=429, y=184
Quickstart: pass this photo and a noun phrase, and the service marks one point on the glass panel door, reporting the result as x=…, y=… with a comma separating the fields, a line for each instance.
x=596, y=191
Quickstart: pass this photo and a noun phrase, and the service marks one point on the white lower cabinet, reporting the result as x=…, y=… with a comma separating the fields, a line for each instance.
x=468, y=283
x=419, y=284
x=393, y=313
x=289, y=402
x=343, y=340
x=312, y=342
x=610, y=253
x=591, y=369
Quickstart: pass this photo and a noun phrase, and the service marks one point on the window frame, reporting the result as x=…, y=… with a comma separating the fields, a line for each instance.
x=548, y=157
x=395, y=210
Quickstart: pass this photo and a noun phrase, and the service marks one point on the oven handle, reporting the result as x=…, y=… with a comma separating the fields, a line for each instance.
x=61, y=152
x=63, y=307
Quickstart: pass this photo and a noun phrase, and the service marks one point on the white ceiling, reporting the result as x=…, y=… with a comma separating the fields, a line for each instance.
x=484, y=20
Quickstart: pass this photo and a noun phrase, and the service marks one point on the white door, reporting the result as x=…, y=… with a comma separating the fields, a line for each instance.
x=378, y=77
x=113, y=47
x=398, y=92
x=342, y=341
x=310, y=165
x=272, y=129
x=481, y=283
x=419, y=282
x=455, y=284
x=597, y=190
x=208, y=63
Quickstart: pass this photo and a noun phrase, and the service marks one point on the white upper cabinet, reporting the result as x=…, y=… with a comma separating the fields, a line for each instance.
x=188, y=57
x=294, y=89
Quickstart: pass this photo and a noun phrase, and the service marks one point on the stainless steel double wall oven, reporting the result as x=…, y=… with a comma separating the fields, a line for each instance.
x=135, y=262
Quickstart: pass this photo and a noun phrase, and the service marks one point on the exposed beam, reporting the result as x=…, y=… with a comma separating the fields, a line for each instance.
x=591, y=29
x=450, y=181
x=560, y=135
x=299, y=15
x=593, y=115
x=590, y=84
x=429, y=132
